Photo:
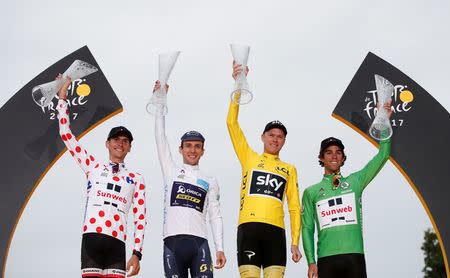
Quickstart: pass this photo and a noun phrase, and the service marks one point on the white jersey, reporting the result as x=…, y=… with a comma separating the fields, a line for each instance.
x=109, y=195
x=188, y=195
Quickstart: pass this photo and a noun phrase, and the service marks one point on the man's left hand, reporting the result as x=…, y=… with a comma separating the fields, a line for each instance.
x=296, y=255
x=221, y=260
x=134, y=264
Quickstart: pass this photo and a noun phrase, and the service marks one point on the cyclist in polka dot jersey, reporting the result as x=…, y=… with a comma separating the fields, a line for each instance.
x=112, y=190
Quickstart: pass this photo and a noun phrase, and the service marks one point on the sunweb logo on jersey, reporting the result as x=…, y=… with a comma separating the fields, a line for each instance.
x=402, y=99
x=77, y=95
x=267, y=184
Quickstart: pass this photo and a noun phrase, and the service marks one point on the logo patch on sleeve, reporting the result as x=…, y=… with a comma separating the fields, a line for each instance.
x=187, y=195
x=267, y=184
x=337, y=211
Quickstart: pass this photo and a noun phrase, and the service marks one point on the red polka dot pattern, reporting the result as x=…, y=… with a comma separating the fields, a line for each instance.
x=99, y=219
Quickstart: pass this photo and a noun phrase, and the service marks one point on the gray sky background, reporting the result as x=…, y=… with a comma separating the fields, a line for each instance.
x=303, y=55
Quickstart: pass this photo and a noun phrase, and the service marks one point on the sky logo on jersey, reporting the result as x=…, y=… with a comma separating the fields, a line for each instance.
x=187, y=195
x=267, y=184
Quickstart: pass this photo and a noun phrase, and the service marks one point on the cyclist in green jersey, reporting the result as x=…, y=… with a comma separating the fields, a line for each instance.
x=334, y=206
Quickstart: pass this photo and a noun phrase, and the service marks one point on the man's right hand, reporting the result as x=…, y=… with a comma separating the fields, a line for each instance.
x=158, y=85
x=312, y=271
x=62, y=93
x=237, y=68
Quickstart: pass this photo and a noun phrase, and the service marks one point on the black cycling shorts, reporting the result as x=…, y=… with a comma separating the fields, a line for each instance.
x=261, y=244
x=102, y=256
x=187, y=252
x=351, y=265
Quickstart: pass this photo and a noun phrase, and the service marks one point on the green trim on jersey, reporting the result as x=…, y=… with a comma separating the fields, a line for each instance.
x=337, y=213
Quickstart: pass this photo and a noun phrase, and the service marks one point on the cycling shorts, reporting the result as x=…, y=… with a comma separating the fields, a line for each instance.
x=352, y=265
x=261, y=244
x=187, y=252
x=102, y=256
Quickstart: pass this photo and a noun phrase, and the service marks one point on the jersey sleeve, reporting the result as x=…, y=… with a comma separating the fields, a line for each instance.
x=366, y=175
x=139, y=213
x=293, y=205
x=215, y=216
x=85, y=160
x=308, y=226
x=162, y=145
x=240, y=144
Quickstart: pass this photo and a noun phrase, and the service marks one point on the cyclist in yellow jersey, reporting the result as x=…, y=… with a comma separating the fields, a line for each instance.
x=266, y=180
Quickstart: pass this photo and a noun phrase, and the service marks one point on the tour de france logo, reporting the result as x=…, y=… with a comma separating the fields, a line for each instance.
x=402, y=102
x=77, y=95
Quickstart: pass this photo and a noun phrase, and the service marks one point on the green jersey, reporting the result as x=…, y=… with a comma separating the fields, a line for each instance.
x=337, y=212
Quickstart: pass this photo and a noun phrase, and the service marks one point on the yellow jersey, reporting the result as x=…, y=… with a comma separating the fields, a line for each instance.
x=266, y=181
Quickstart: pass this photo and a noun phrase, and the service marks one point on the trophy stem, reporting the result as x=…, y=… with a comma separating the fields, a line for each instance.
x=241, y=93
x=381, y=128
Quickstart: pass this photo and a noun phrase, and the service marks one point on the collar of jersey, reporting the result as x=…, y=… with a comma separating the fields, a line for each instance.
x=190, y=167
x=270, y=156
x=121, y=165
x=330, y=176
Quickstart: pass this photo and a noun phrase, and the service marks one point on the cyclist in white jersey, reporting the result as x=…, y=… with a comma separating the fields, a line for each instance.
x=189, y=194
x=112, y=190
